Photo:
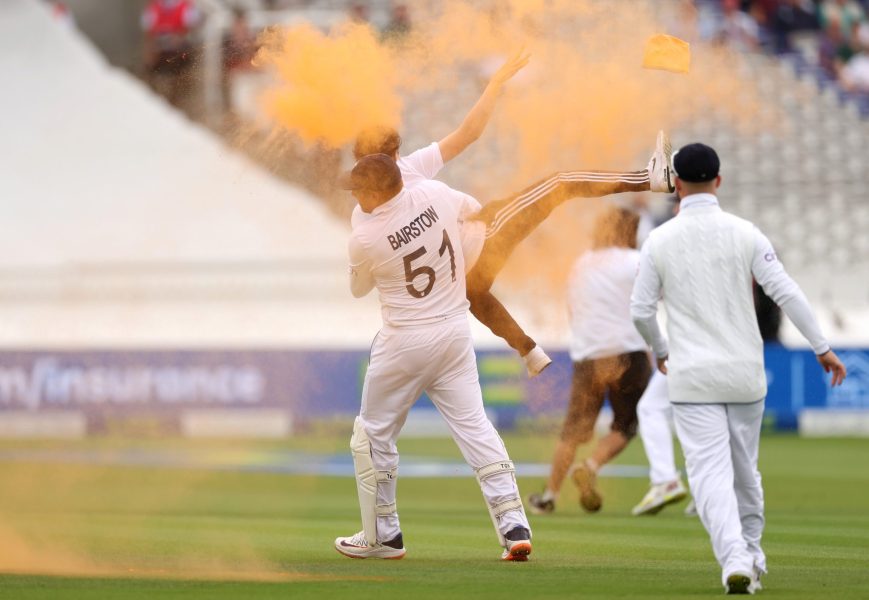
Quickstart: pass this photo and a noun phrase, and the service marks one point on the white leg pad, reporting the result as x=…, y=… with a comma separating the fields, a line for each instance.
x=367, y=479
x=385, y=510
x=498, y=509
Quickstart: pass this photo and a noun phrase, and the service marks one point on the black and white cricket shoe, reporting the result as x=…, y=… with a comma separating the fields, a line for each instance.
x=356, y=546
x=518, y=545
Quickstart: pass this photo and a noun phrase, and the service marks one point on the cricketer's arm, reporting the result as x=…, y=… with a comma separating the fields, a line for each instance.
x=478, y=117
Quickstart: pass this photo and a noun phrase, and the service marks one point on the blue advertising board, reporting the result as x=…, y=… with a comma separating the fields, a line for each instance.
x=319, y=384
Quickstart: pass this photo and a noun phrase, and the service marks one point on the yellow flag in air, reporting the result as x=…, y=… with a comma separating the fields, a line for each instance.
x=667, y=53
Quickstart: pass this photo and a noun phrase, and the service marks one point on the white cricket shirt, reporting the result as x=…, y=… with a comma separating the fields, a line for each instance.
x=409, y=248
x=599, y=299
x=422, y=165
x=703, y=261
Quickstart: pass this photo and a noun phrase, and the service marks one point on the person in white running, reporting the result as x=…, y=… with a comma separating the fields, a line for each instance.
x=702, y=263
x=609, y=358
x=410, y=250
x=653, y=414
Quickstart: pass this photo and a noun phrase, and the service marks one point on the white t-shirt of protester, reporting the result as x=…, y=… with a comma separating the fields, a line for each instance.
x=599, y=298
x=423, y=165
x=409, y=249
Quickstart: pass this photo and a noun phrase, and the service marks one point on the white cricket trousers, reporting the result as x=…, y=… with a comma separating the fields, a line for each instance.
x=720, y=442
x=654, y=414
x=437, y=359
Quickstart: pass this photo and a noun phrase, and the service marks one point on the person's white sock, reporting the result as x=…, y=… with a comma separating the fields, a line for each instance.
x=592, y=464
x=549, y=495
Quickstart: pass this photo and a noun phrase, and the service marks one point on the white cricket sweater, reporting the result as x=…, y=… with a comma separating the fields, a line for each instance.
x=702, y=262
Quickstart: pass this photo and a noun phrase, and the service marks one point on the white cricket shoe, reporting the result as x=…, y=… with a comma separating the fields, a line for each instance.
x=535, y=361
x=755, y=586
x=691, y=509
x=518, y=545
x=661, y=177
x=356, y=546
x=659, y=496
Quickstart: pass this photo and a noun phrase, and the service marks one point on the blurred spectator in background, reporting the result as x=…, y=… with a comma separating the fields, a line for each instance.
x=399, y=23
x=768, y=315
x=833, y=49
x=790, y=16
x=358, y=13
x=855, y=73
x=61, y=14
x=737, y=30
x=168, y=25
x=846, y=12
x=239, y=47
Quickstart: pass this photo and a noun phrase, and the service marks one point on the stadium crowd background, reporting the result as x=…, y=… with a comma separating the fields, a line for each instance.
x=809, y=59
x=265, y=269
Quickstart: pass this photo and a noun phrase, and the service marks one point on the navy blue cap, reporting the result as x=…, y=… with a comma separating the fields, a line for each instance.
x=696, y=163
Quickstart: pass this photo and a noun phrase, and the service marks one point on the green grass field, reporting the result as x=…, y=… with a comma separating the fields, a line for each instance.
x=91, y=531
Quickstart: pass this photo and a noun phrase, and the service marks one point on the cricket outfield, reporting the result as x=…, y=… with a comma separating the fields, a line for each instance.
x=179, y=519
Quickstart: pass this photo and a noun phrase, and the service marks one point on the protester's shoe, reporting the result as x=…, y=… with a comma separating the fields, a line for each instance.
x=691, y=509
x=535, y=361
x=661, y=177
x=518, y=545
x=356, y=546
x=585, y=480
x=539, y=506
x=738, y=583
x=659, y=496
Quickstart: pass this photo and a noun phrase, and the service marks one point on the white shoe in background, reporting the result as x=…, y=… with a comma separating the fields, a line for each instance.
x=659, y=496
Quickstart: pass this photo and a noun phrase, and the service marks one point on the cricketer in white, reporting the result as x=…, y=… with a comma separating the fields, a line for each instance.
x=702, y=263
x=409, y=250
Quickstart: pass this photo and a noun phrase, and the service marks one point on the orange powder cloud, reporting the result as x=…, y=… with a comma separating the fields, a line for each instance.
x=329, y=87
x=584, y=101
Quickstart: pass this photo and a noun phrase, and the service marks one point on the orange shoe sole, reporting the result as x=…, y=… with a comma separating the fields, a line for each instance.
x=519, y=552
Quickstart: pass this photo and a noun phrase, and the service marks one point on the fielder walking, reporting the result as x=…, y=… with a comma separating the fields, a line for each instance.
x=409, y=249
x=702, y=262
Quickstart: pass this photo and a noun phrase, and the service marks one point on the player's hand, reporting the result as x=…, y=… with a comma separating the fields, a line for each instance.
x=662, y=364
x=513, y=65
x=831, y=363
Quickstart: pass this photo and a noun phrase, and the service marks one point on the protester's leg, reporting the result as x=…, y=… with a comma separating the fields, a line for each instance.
x=511, y=220
x=704, y=433
x=654, y=413
x=745, y=421
x=629, y=376
x=586, y=400
x=490, y=312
